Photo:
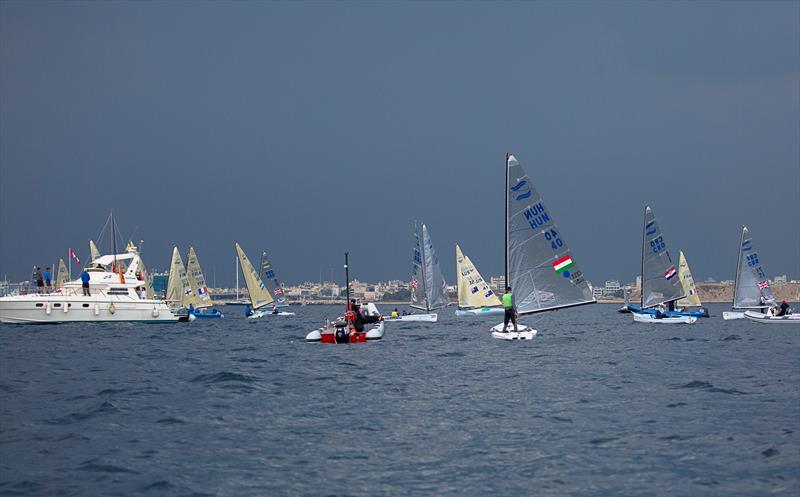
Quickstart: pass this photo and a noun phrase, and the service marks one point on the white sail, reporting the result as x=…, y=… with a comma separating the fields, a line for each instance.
x=541, y=270
x=752, y=289
x=63, y=275
x=473, y=291
x=660, y=282
x=197, y=282
x=692, y=299
x=271, y=280
x=148, y=281
x=259, y=295
x=178, y=290
x=94, y=254
x=429, y=289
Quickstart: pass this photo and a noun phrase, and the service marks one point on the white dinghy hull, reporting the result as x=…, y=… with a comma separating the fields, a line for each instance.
x=418, y=318
x=763, y=318
x=729, y=315
x=482, y=311
x=651, y=318
x=523, y=332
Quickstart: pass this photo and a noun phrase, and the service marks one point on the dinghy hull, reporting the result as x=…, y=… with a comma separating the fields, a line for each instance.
x=764, y=318
x=651, y=318
x=418, y=318
x=523, y=332
x=482, y=311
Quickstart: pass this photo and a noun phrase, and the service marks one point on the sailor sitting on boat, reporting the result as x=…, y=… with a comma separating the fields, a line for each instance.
x=783, y=310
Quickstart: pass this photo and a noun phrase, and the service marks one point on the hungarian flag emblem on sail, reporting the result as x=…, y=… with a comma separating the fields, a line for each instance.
x=671, y=272
x=562, y=264
x=764, y=284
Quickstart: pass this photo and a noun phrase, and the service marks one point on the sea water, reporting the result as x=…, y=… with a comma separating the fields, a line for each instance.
x=594, y=405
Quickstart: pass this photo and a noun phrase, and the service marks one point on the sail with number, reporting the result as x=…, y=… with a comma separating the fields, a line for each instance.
x=751, y=290
x=62, y=276
x=271, y=280
x=259, y=295
x=660, y=282
x=540, y=268
x=692, y=299
x=473, y=291
x=428, y=288
x=197, y=282
x=94, y=254
x=178, y=290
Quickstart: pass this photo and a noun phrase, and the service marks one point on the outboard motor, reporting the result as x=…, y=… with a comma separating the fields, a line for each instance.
x=341, y=335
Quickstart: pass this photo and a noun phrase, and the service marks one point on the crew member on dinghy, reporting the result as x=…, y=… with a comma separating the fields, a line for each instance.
x=784, y=309
x=511, y=311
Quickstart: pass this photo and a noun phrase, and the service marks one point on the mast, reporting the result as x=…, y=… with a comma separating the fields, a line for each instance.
x=738, y=262
x=347, y=280
x=641, y=274
x=505, y=236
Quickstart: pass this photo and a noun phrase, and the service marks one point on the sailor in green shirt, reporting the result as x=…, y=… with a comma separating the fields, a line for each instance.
x=511, y=311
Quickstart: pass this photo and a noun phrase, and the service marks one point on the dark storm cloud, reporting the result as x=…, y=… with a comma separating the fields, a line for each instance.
x=313, y=128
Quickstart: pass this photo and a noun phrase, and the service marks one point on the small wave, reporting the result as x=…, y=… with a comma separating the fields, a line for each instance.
x=677, y=404
x=451, y=354
x=171, y=421
x=704, y=385
x=730, y=338
x=222, y=377
x=158, y=486
x=560, y=419
x=250, y=359
x=96, y=467
x=75, y=417
x=601, y=441
x=770, y=452
x=111, y=391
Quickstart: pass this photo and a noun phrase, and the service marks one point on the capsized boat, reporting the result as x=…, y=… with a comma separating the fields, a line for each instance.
x=428, y=288
x=475, y=297
x=197, y=282
x=751, y=290
x=350, y=328
x=113, y=283
x=539, y=266
x=660, y=282
x=256, y=290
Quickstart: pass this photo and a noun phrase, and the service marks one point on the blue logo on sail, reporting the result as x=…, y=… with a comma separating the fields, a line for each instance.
x=525, y=194
x=651, y=228
x=746, y=246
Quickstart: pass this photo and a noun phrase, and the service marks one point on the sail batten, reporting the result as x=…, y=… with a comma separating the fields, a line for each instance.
x=660, y=281
x=259, y=295
x=751, y=289
x=540, y=267
x=692, y=299
x=473, y=291
x=197, y=281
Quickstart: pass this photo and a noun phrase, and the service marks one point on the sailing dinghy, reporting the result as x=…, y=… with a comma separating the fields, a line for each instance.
x=691, y=302
x=179, y=293
x=428, y=288
x=539, y=267
x=475, y=298
x=660, y=282
x=751, y=291
x=274, y=287
x=197, y=282
x=349, y=328
x=256, y=290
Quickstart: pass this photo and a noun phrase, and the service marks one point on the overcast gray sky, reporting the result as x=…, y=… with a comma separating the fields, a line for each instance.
x=312, y=128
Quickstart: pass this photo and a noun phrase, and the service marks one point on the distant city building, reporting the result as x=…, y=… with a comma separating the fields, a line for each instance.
x=612, y=286
x=597, y=292
x=638, y=282
x=710, y=280
x=779, y=280
x=498, y=282
x=727, y=282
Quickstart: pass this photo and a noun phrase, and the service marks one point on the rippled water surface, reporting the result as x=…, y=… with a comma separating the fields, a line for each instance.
x=595, y=405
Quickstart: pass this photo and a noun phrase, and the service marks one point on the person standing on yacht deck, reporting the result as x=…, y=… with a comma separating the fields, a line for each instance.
x=39, y=279
x=48, y=279
x=85, y=280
